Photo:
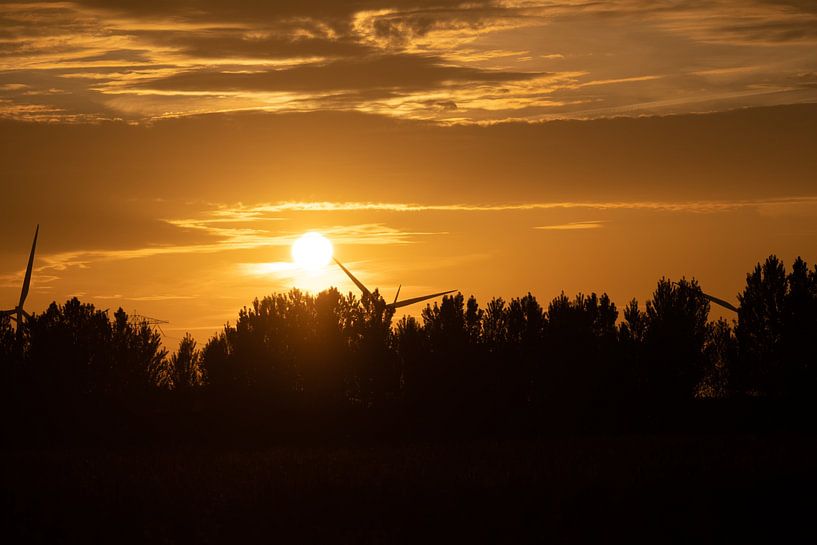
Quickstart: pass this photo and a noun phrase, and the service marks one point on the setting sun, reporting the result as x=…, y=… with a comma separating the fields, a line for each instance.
x=312, y=251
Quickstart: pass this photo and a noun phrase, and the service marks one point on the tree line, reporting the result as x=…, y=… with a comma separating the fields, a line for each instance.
x=330, y=352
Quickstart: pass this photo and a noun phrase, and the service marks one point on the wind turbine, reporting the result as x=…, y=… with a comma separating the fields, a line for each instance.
x=721, y=302
x=17, y=312
x=717, y=300
x=396, y=303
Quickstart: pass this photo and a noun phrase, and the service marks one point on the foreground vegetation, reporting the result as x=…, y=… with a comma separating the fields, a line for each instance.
x=297, y=358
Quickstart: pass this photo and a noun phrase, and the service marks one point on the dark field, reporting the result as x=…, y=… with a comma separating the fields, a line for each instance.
x=690, y=489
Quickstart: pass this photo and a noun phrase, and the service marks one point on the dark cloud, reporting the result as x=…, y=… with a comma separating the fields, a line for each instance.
x=123, y=55
x=773, y=31
x=808, y=79
x=445, y=105
x=405, y=72
x=806, y=6
x=226, y=43
x=262, y=11
x=400, y=27
x=25, y=21
x=50, y=96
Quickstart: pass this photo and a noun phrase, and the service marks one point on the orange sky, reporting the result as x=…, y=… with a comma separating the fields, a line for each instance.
x=172, y=153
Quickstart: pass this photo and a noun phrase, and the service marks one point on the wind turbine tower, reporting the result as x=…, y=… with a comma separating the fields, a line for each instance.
x=18, y=313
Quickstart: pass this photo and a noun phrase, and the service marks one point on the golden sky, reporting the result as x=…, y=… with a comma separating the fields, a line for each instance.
x=172, y=151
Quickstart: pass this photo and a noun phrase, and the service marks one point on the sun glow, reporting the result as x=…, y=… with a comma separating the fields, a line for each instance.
x=312, y=251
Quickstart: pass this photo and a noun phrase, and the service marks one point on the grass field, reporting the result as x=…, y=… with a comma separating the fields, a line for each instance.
x=692, y=489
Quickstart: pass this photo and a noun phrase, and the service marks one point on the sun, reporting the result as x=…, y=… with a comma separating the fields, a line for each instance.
x=312, y=251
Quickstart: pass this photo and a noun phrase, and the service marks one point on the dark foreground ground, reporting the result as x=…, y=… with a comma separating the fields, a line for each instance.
x=689, y=489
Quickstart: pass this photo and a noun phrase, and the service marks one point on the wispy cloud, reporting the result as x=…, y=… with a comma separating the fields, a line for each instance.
x=263, y=269
x=160, y=297
x=257, y=212
x=15, y=280
x=232, y=239
x=573, y=226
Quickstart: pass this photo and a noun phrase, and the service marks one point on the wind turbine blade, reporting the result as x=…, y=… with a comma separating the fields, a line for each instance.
x=357, y=282
x=407, y=302
x=7, y=312
x=721, y=302
x=396, y=295
x=27, y=280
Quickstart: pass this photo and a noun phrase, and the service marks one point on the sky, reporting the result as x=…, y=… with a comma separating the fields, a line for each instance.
x=173, y=151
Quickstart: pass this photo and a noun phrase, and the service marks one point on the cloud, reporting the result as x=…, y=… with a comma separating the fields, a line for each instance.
x=289, y=42
x=573, y=226
x=493, y=60
x=161, y=297
x=745, y=23
x=263, y=269
x=256, y=212
x=252, y=11
x=14, y=281
x=440, y=27
x=119, y=56
x=225, y=239
x=388, y=72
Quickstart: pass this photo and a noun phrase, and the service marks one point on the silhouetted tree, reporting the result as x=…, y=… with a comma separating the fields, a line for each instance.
x=445, y=373
x=776, y=328
x=525, y=361
x=412, y=352
x=632, y=373
x=10, y=357
x=326, y=369
x=760, y=330
x=216, y=363
x=721, y=355
x=70, y=350
x=264, y=345
x=675, y=337
x=138, y=356
x=799, y=331
x=495, y=325
x=581, y=345
x=473, y=321
x=184, y=370
x=8, y=346
x=375, y=371
x=445, y=325
x=75, y=349
x=633, y=328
